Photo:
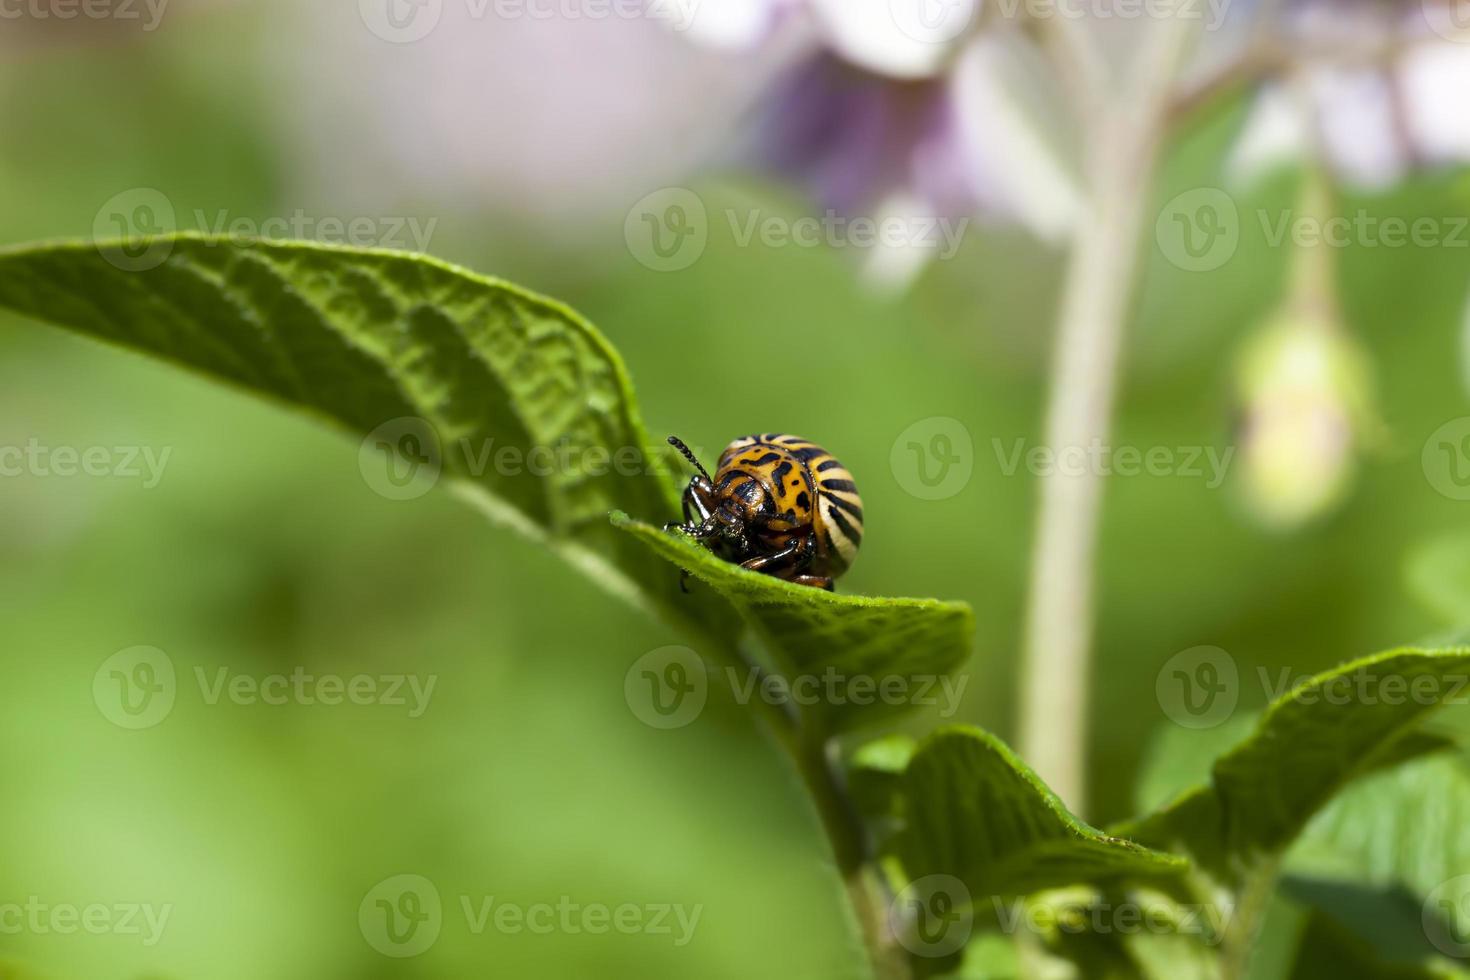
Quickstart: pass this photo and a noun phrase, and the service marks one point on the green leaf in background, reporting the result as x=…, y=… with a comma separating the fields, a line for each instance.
x=1308, y=746
x=519, y=403
x=875, y=774
x=972, y=809
x=1405, y=831
x=1437, y=574
x=908, y=647
x=1328, y=949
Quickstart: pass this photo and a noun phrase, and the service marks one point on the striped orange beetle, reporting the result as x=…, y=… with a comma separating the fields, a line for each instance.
x=777, y=504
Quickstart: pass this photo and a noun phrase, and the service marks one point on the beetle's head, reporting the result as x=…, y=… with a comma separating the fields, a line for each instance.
x=744, y=505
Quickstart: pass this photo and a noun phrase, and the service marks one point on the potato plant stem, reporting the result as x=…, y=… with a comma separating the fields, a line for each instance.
x=1124, y=135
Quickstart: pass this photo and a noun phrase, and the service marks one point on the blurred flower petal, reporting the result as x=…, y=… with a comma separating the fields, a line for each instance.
x=1436, y=84
x=1355, y=113
x=901, y=38
x=1013, y=126
x=852, y=137
x=735, y=23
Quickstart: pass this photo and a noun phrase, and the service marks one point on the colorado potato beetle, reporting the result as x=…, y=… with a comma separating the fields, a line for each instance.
x=777, y=504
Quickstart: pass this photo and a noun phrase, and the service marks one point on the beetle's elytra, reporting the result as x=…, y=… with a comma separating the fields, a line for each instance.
x=777, y=504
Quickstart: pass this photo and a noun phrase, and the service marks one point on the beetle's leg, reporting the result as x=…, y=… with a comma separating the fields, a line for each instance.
x=698, y=507
x=819, y=581
x=785, y=563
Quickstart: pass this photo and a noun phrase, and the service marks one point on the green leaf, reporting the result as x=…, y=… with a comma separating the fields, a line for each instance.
x=361, y=338
x=973, y=810
x=1438, y=575
x=1329, y=949
x=1308, y=746
x=1402, y=830
x=1305, y=749
x=880, y=656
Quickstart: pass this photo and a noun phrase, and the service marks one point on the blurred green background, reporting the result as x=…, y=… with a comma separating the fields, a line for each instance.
x=528, y=779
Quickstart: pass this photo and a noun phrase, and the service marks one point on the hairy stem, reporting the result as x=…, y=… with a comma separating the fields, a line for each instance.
x=821, y=775
x=1125, y=134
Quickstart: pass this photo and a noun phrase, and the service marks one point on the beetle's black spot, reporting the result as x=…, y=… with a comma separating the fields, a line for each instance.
x=830, y=464
x=780, y=472
x=765, y=460
x=847, y=485
x=807, y=453
x=803, y=501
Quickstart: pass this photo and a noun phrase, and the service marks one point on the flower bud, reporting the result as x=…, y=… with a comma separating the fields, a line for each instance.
x=1306, y=395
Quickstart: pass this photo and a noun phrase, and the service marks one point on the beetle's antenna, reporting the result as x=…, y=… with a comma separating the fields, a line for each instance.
x=678, y=444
